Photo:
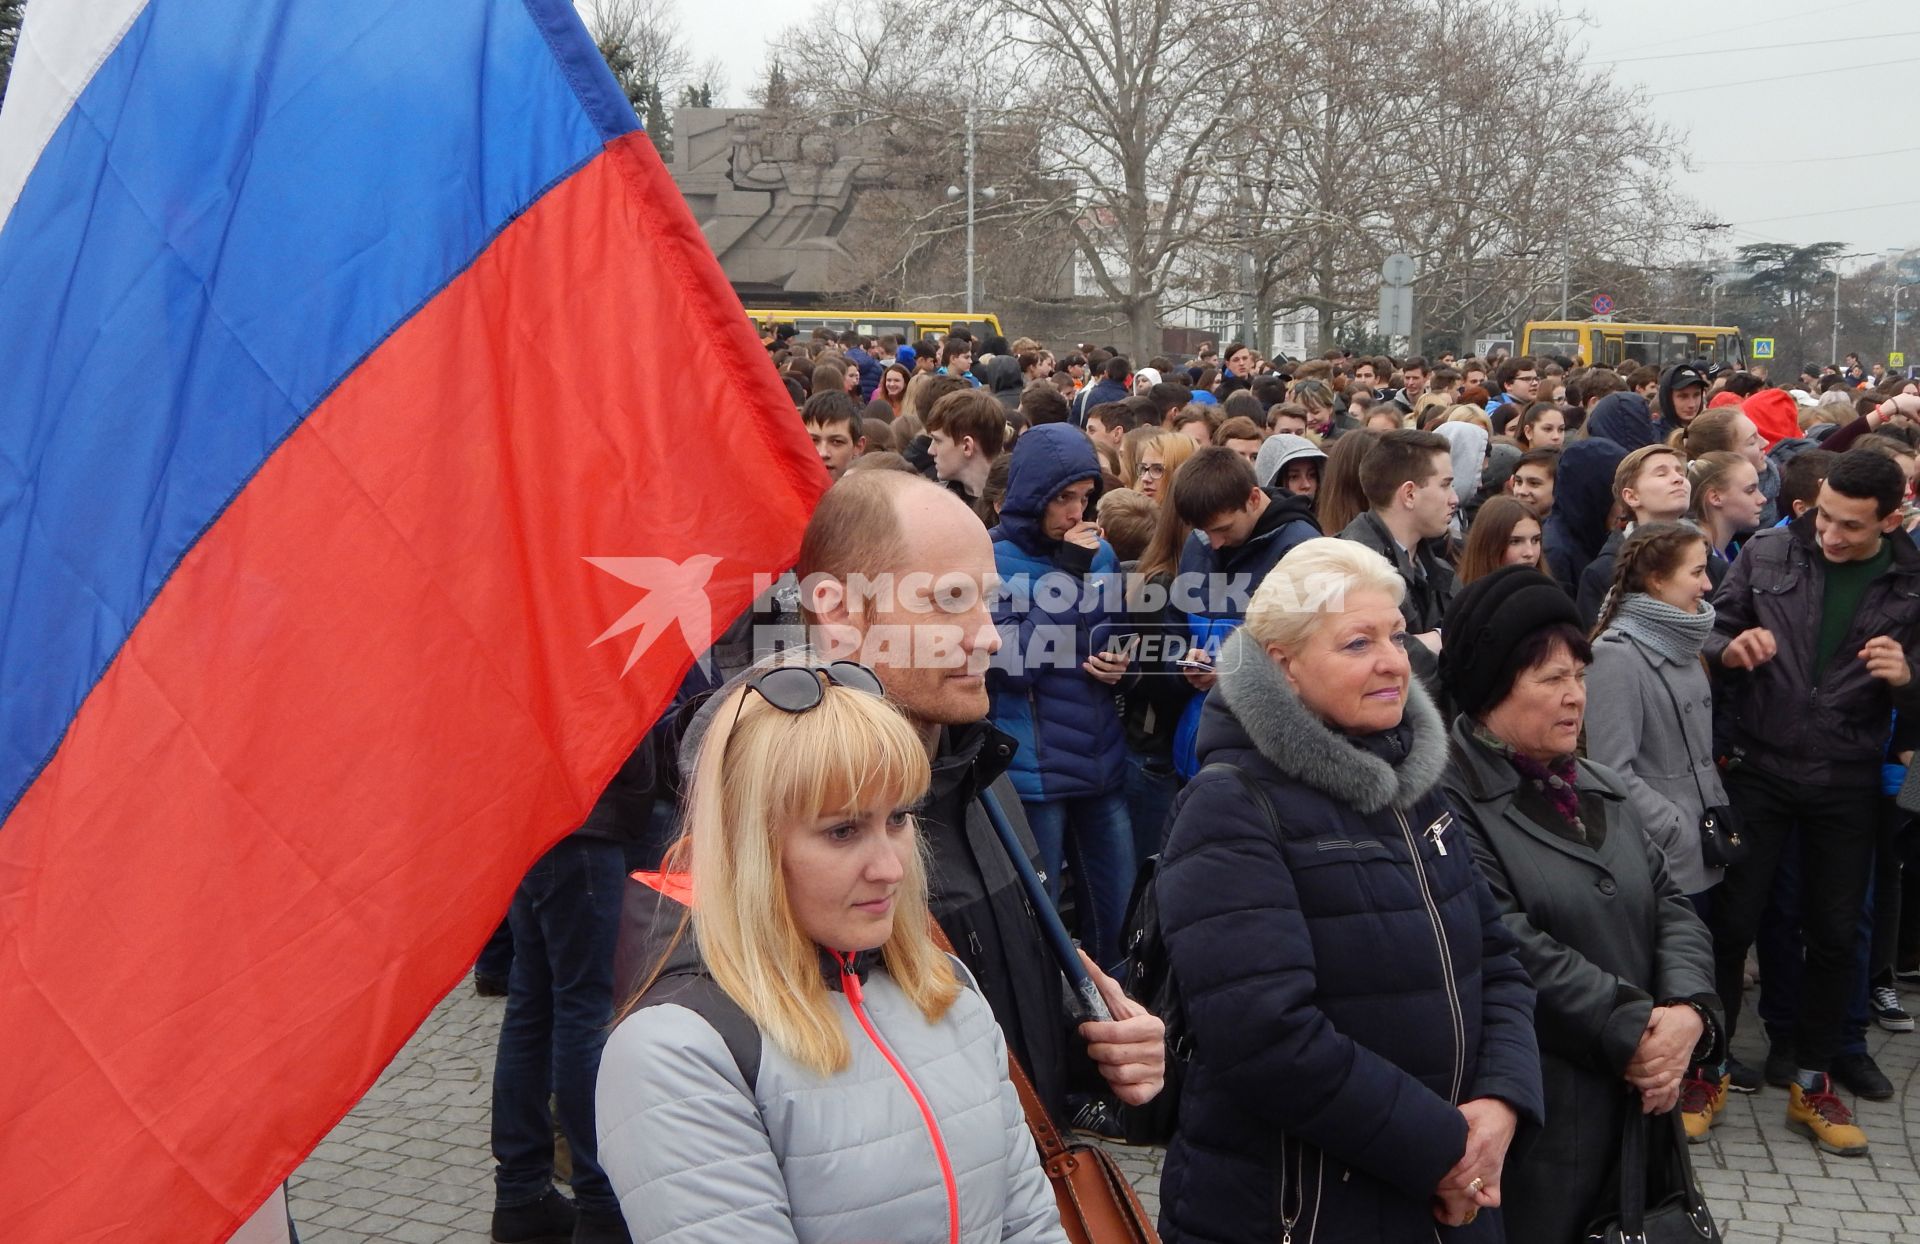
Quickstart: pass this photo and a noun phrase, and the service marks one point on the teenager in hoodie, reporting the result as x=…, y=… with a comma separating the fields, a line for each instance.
x=1683, y=395
x=1624, y=418
x=1576, y=528
x=1052, y=684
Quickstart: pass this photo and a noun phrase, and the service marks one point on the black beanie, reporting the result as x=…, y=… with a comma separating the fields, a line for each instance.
x=1487, y=621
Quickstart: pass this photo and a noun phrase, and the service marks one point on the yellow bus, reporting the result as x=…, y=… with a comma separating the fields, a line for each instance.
x=1607, y=343
x=908, y=326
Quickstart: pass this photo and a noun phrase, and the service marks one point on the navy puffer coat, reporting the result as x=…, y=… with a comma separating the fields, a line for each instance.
x=1347, y=981
x=1058, y=601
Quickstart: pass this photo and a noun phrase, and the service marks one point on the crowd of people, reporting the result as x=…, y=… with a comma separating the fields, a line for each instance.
x=1304, y=650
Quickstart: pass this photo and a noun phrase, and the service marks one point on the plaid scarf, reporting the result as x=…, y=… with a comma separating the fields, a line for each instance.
x=1553, y=780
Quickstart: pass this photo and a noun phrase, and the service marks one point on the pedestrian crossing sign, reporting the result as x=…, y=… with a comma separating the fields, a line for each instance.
x=1896, y=359
x=1763, y=347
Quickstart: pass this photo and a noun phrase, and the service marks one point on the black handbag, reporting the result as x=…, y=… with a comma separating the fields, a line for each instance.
x=1722, y=845
x=1680, y=1215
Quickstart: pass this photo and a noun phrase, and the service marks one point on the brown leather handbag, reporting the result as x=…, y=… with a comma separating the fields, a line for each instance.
x=1097, y=1204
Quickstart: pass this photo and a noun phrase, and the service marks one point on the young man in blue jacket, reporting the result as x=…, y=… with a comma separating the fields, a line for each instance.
x=1240, y=532
x=1052, y=684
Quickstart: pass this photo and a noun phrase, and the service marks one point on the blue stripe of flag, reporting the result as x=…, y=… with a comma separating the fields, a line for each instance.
x=247, y=198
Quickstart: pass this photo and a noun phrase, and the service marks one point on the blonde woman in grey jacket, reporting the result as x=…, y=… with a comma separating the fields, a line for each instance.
x=805, y=1064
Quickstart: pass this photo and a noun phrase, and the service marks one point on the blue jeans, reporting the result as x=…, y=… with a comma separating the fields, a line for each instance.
x=565, y=918
x=1096, y=833
x=1151, y=786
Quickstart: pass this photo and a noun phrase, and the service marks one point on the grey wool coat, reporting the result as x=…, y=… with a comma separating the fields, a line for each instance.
x=1651, y=722
x=1606, y=936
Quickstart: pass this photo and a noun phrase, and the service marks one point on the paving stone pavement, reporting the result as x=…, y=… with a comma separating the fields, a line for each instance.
x=411, y=1162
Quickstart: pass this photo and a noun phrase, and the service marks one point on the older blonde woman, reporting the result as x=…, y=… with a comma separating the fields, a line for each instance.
x=1363, y=1036
x=807, y=1065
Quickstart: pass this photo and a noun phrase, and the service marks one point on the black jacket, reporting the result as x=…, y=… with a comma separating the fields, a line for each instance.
x=1346, y=976
x=1604, y=935
x=1822, y=727
x=1429, y=592
x=978, y=900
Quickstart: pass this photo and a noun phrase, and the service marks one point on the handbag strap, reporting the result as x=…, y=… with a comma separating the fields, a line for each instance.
x=1633, y=1172
x=1679, y=718
x=1045, y=1135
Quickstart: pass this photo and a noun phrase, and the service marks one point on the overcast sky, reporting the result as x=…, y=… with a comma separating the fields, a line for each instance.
x=1774, y=154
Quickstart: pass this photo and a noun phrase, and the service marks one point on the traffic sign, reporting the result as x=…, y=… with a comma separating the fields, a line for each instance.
x=1896, y=359
x=1397, y=271
x=1396, y=310
x=1602, y=305
x=1763, y=347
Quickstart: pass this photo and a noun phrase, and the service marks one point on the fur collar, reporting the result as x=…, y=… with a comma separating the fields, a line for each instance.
x=1306, y=749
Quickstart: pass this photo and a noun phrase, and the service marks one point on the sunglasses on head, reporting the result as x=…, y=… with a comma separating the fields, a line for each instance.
x=799, y=688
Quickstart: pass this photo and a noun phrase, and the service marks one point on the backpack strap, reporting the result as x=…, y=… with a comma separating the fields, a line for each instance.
x=699, y=993
x=1256, y=795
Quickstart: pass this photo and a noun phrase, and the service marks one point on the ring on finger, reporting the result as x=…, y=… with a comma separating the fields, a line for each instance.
x=1477, y=1184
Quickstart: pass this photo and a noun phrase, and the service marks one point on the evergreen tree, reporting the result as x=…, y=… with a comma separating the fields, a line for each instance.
x=10, y=16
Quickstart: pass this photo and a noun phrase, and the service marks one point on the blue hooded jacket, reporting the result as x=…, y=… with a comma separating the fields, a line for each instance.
x=1582, y=499
x=1056, y=602
x=871, y=370
x=1623, y=418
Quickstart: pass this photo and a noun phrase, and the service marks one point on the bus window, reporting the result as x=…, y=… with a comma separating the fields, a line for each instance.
x=1641, y=349
x=1606, y=350
x=1545, y=341
x=1728, y=350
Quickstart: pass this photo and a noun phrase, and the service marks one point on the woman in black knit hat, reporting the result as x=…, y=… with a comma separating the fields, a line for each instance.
x=1623, y=966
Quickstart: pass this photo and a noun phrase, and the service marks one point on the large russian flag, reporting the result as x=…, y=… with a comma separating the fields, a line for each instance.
x=362, y=369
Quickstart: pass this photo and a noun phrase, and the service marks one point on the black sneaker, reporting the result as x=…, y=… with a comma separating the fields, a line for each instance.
x=548, y=1220
x=490, y=986
x=1908, y=976
x=601, y=1226
x=1887, y=1011
x=1862, y=1077
x=1781, y=1066
x=1097, y=1116
x=1740, y=1077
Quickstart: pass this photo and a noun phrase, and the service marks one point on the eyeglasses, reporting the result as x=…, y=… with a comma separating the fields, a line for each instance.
x=1153, y=470
x=799, y=689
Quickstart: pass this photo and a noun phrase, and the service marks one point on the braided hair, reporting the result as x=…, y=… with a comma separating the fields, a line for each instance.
x=1653, y=551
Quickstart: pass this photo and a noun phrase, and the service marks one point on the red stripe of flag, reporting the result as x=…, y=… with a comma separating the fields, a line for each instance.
x=282, y=825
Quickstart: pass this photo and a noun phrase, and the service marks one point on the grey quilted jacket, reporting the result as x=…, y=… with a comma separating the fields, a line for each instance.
x=699, y=1156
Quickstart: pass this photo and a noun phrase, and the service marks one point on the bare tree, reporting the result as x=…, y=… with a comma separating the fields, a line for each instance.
x=1133, y=99
x=641, y=43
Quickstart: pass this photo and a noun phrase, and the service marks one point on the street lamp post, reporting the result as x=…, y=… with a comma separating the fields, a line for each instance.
x=1833, y=351
x=970, y=210
x=1834, y=357
x=954, y=192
